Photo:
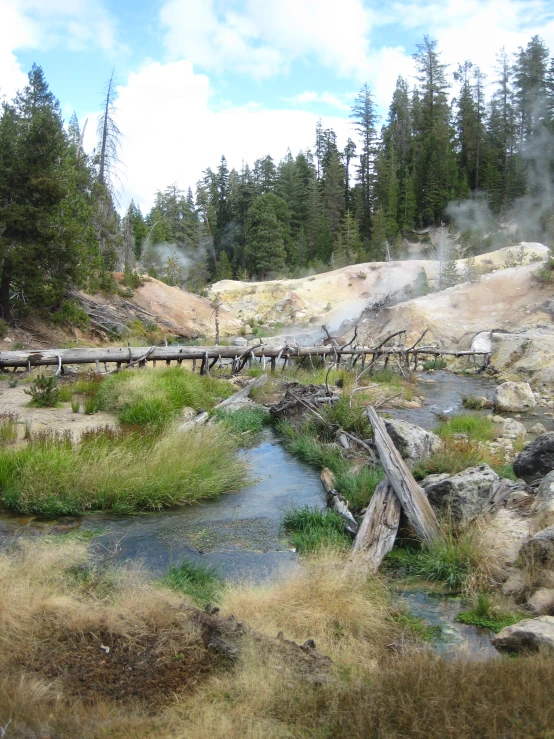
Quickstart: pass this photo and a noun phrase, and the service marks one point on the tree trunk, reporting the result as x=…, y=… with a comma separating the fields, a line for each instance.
x=5, y=283
x=412, y=498
x=378, y=529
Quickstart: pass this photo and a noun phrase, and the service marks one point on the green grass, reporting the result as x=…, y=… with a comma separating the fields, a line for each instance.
x=475, y=427
x=91, y=405
x=111, y=470
x=417, y=626
x=486, y=616
x=244, y=420
x=309, y=529
x=75, y=404
x=436, y=364
x=472, y=403
x=201, y=583
x=351, y=418
x=65, y=393
x=450, y=560
x=456, y=455
x=358, y=488
x=153, y=399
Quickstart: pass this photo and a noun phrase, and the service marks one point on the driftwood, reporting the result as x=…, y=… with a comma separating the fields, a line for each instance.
x=378, y=529
x=412, y=498
x=200, y=420
x=338, y=503
x=243, y=392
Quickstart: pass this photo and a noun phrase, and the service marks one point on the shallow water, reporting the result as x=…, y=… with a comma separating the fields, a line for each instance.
x=441, y=610
x=238, y=533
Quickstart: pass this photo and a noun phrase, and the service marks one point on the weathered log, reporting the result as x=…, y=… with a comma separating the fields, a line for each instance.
x=338, y=503
x=378, y=529
x=200, y=420
x=243, y=392
x=84, y=355
x=412, y=498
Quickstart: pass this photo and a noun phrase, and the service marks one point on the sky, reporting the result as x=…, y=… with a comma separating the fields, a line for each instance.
x=198, y=79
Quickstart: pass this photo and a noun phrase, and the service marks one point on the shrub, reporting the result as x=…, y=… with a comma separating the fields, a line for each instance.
x=71, y=311
x=44, y=392
x=438, y=364
x=312, y=528
x=201, y=583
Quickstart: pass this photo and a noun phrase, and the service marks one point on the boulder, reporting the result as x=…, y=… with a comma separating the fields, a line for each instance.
x=545, y=579
x=537, y=429
x=432, y=479
x=530, y=634
x=239, y=341
x=514, y=397
x=548, y=306
x=515, y=584
x=540, y=548
x=544, y=498
x=536, y=459
x=541, y=602
x=413, y=442
x=464, y=495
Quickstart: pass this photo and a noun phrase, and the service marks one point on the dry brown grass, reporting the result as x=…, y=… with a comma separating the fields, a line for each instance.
x=52, y=604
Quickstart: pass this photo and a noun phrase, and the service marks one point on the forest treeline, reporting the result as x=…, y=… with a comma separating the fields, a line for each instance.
x=456, y=136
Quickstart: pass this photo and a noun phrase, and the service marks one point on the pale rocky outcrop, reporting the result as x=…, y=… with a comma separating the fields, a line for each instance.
x=536, y=459
x=413, y=442
x=544, y=498
x=464, y=495
x=530, y=634
x=512, y=429
x=514, y=397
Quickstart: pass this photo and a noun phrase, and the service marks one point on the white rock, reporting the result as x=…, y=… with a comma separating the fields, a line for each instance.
x=514, y=396
x=541, y=602
x=537, y=429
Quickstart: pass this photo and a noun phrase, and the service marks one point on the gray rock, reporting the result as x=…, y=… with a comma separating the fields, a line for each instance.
x=413, y=442
x=548, y=305
x=536, y=459
x=545, y=579
x=544, y=498
x=541, y=602
x=515, y=584
x=239, y=341
x=431, y=479
x=514, y=397
x=537, y=429
x=530, y=634
x=540, y=548
x=464, y=495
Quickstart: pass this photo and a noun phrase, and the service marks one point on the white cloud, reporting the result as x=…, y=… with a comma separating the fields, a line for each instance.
x=46, y=24
x=172, y=133
x=342, y=102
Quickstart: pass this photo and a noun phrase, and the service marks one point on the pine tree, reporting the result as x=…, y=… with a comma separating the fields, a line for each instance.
x=265, y=251
x=378, y=244
x=223, y=271
x=365, y=120
x=351, y=244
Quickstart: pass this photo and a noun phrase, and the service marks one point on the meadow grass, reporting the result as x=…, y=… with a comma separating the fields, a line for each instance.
x=8, y=428
x=200, y=582
x=154, y=398
x=111, y=470
x=312, y=528
x=475, y=427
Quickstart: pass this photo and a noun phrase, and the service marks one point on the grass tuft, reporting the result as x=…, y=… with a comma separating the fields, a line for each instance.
x=457, y=455
x=486, y=615
x=8, y=428
x=243, y=420
x=310, y=529
x=201, y=583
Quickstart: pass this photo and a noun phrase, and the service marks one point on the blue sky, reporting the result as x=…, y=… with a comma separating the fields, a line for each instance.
x=202, y=78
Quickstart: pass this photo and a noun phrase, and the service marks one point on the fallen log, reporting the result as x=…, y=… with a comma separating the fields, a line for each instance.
x=200, y=420
x=338, y=503
x=243, y=392
x=377, y=532
x=412, y=498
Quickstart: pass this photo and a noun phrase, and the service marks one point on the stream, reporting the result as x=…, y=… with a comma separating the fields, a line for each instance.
x=239, y=533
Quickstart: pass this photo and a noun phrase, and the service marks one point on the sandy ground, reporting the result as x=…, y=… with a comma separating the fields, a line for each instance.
x=14, y=400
